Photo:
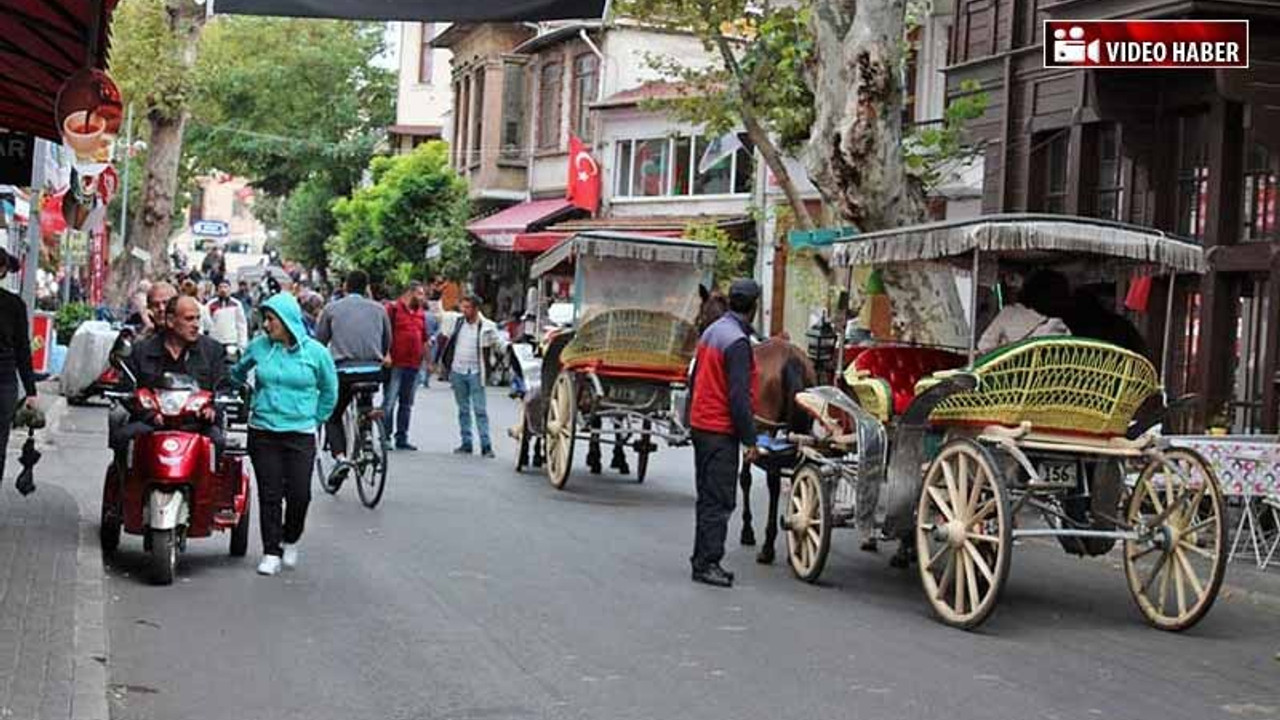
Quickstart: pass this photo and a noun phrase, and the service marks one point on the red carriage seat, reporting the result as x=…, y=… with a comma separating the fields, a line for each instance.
x=884, y=378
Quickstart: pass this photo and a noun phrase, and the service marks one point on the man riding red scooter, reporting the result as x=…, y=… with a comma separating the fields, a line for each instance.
x=173, y=477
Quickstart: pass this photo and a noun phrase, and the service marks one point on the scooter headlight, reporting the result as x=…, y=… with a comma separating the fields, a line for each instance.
x=172, y=402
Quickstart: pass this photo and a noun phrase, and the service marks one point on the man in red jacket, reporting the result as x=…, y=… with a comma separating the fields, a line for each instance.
x=408, y=343
x=722, y=397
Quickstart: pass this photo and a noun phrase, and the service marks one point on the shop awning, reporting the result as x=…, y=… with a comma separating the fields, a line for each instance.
x=421, y=10
x=499, y=230
x=42, y=43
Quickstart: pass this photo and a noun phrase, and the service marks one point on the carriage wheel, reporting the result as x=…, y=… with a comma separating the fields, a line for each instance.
x=644, y=447
x=1176, y=569
x=562, y=417
x=808, y=524
x=963, y=534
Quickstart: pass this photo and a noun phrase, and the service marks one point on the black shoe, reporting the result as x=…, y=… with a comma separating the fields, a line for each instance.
x=713, y=575
x=337, y=477
x=462, y=450
x=486, y=452
x=406, y=446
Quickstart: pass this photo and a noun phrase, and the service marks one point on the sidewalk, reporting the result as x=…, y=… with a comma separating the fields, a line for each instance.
x=52, y=644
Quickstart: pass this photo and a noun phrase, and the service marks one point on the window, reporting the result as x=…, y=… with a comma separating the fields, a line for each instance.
x=425, y=54
x=549, y=105
x=1110, y=188
x=477, y=116
x=1193, y=175
x=669, y=167
x=513, y=112
x=1049, y=154
x=586, y=72
x=239, y=209
x=1259, y=213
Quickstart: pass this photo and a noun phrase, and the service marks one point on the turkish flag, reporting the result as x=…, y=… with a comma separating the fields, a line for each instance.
x=1139, y=294
x=583, y=189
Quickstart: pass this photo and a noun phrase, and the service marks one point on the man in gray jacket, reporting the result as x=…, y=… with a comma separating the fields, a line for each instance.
x=358, y=333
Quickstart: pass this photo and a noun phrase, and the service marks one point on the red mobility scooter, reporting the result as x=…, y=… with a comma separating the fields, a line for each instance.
x=169, y=482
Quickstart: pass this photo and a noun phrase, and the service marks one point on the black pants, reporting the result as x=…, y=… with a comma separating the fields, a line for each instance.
x=282, y=463
x=8, y=406
x=715, y=458
x=335, y=434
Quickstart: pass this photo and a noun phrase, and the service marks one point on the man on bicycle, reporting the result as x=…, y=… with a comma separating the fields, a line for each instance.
x=358, y=333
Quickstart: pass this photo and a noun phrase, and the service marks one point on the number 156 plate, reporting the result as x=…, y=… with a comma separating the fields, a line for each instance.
x=1058, y=474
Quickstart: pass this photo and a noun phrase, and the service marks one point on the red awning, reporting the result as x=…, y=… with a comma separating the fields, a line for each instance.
x=499, y=230
x=536, y=243
x=42, y=43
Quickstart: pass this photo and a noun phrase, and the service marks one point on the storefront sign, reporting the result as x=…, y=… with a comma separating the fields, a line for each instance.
x=16, y=151
x=41, y=341
x=210, y=228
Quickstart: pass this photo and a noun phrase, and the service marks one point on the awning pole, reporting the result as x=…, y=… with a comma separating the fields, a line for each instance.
x=973, y=308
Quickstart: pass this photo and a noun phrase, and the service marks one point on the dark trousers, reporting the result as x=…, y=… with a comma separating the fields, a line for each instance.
x=8, y=406
x=282, y=463
x=335, y=432
x=715, y=458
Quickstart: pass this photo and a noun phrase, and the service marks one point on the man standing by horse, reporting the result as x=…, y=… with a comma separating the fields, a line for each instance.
x=722, y=395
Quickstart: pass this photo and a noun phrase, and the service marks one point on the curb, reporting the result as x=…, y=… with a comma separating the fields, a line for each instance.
x=89, y=664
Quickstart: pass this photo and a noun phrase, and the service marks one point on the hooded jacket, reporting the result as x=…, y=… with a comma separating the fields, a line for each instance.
x=295, y=388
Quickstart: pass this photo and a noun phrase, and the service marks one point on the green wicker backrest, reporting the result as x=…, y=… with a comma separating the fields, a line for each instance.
x=1055, y=383
x=631, y=337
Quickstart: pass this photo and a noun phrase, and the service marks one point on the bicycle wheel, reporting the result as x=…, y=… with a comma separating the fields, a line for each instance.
x=371, y=466
x=326, y=464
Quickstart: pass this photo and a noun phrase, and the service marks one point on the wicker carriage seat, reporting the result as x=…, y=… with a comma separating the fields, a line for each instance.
x=884, y=378
x=632, y=340
x=1052, y=385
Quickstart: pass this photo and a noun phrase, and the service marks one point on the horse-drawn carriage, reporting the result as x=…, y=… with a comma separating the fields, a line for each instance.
x=961, y=441
x=611, y=368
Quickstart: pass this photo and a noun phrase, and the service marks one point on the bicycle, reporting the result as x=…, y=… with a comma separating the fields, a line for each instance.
x=365, y=456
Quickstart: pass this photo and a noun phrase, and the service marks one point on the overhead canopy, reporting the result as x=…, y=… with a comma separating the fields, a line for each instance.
x=42, y=43
x=421, y=10
x=628, y=246
x=1033, y=239
x=499, y=230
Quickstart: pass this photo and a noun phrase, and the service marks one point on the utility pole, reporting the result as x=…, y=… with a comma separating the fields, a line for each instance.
x=124, y=200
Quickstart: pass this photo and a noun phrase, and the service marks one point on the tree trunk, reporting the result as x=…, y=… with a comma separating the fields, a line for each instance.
x=854, y=155
x=152, y=223
x=773, y=158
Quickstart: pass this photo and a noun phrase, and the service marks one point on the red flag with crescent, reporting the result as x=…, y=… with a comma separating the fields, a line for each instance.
x=583, y=189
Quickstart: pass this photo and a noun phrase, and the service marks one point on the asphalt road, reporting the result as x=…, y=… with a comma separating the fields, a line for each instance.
x=477, y=592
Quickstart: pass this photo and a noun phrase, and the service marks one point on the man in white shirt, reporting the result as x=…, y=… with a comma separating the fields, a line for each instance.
x=228, y=323
x=463, y=359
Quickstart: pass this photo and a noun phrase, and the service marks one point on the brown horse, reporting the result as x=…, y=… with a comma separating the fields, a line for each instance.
x=783, y=370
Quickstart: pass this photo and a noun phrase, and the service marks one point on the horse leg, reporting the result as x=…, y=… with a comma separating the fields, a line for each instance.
x=619, y=460
x=906, y=554
x=744, y=481
x=538, y=457
x=593, y=448
x=774, y=479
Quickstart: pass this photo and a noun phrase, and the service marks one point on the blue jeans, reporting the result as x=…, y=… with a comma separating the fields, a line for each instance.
x=401, y=386
x=468, y=391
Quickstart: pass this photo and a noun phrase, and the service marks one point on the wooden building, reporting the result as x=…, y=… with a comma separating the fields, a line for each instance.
x=1193, y=152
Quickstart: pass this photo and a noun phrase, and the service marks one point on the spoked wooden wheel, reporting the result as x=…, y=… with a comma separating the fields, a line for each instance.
x=808, y=524
x=963, y=534
x=1176, y=568
x=562, y=418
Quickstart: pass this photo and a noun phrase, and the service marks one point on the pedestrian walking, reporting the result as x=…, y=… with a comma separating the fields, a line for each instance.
x=15, y=355
x=230, y=325
x=471, y=335
x=722, y=418
x=295, y=390
x=408, y=344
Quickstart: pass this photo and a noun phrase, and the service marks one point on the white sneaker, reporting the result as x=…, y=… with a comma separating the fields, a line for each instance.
x=270, y=565
x=290, y=557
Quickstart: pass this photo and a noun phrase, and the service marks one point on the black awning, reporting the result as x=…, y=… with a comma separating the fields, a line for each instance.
x=421, y=10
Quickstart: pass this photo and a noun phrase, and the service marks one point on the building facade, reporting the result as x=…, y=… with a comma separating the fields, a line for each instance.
x=424, y=93
x=1191, y=152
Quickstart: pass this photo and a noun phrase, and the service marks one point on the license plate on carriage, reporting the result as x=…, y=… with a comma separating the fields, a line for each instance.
x=1064, y=474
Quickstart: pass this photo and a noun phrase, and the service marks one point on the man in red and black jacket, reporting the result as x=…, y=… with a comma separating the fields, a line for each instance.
x=722, y=400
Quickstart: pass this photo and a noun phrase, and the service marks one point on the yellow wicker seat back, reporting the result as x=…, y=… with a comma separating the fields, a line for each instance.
x=1061, y=384
x=633, y=338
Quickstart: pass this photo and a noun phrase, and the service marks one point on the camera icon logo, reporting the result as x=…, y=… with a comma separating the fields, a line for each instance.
x=1071, y=48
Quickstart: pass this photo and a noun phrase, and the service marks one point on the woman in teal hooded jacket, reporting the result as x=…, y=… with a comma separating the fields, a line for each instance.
x=295, y=389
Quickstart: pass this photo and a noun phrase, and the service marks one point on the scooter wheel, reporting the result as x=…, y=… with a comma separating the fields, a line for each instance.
x=164, y=556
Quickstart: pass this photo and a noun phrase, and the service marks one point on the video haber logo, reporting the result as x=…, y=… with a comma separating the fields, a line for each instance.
x=1147, y=43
